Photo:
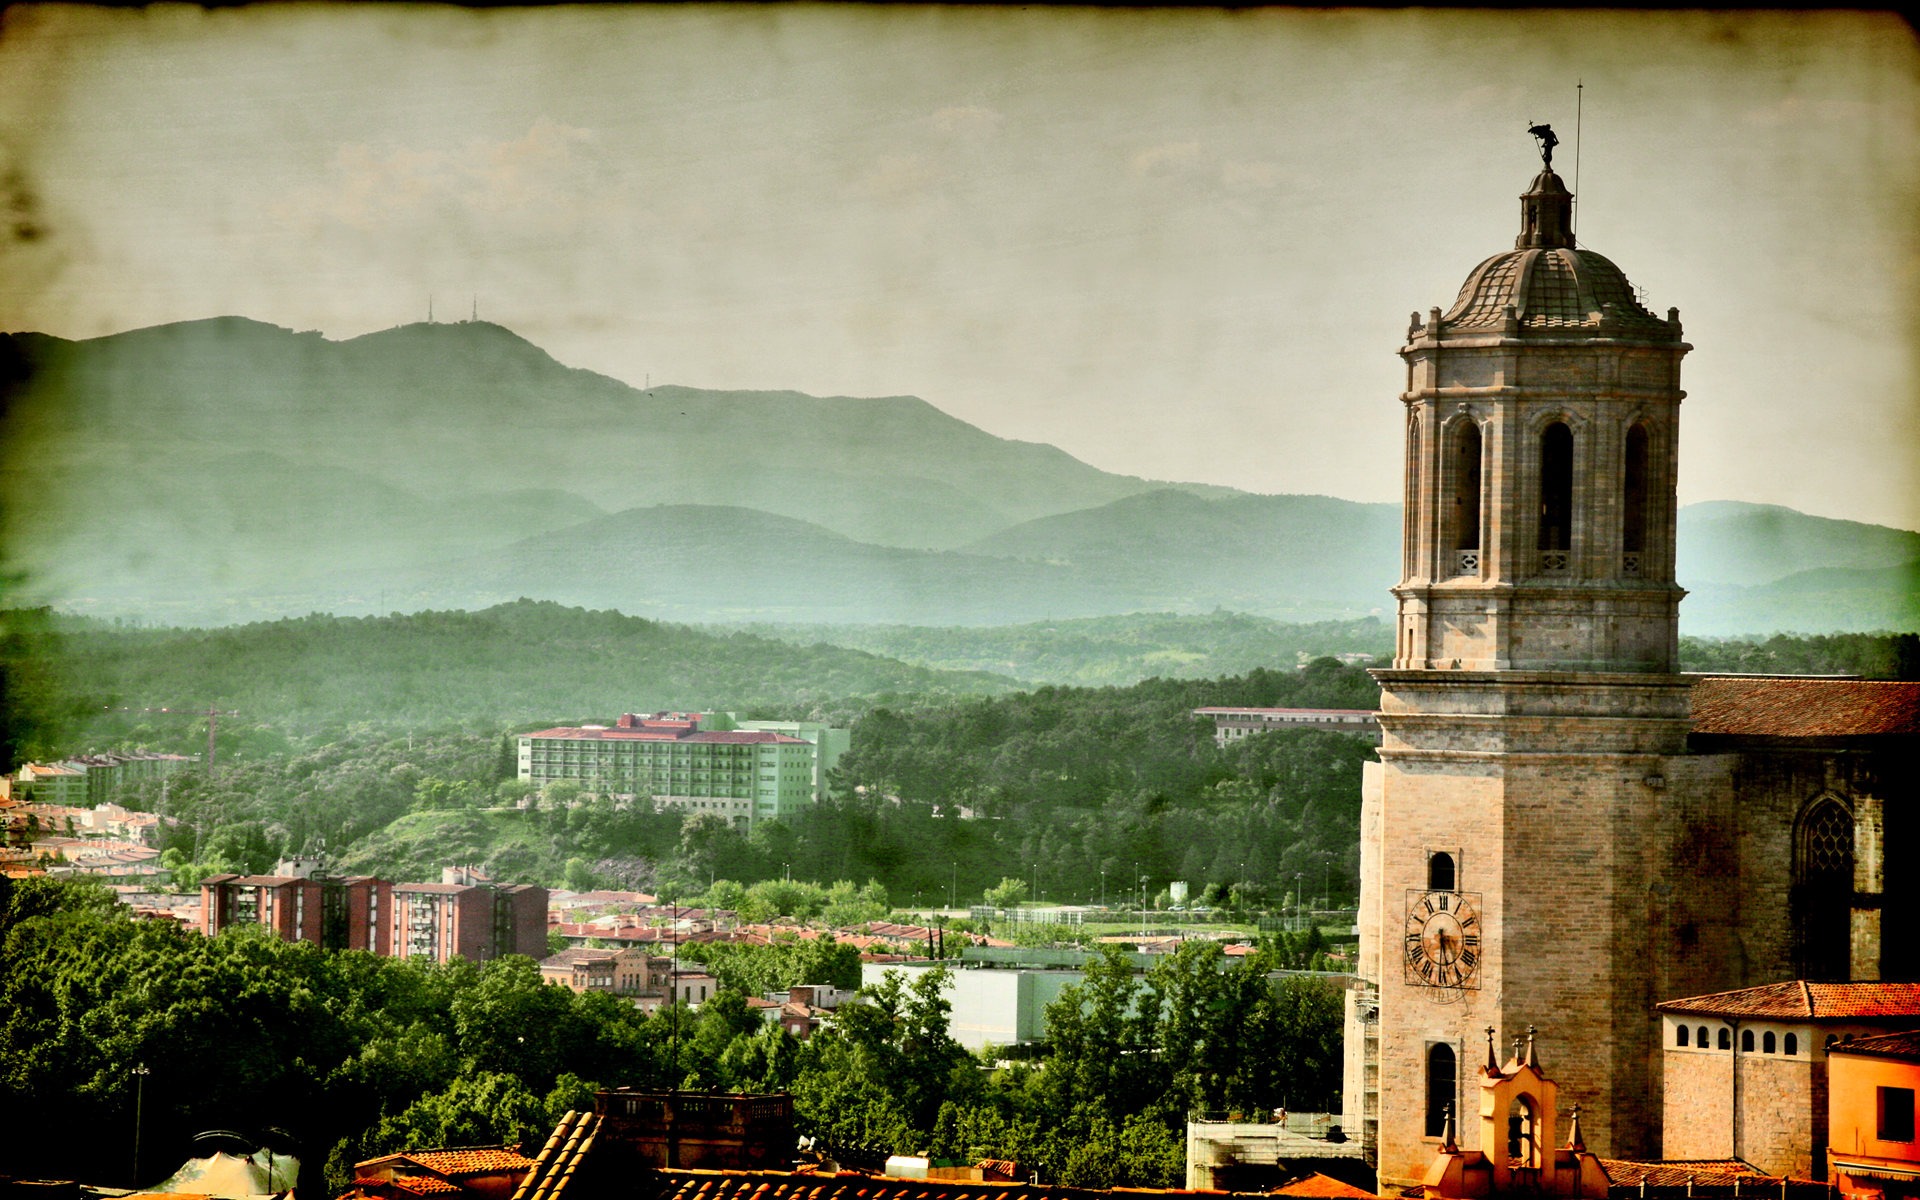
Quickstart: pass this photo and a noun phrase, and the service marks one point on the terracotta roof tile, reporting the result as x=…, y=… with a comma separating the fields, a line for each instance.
x=1799, y=999
x=1317, y=1185
x=1804, y=708
x=1892, y=1045
x=472, y=1161
x=1677, y=1172
x=425, y=1185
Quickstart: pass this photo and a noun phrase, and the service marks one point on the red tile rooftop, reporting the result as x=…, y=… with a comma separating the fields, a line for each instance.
x=1804, y=708
x=1892, y=1045
x=1679, y=1172
x=739, y=737
x=478, y=1160
x=684, y=1184
x=1319, y=1185
x=1799, y=999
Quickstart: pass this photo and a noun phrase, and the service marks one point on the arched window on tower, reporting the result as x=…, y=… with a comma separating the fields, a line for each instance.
x=1633, y=503
x=1463, y=513
x=1822, y=893
x=1556, y=496
x=1440, y=872
x=1410, y=501
x=1441, y=1081
x=1520, y=1133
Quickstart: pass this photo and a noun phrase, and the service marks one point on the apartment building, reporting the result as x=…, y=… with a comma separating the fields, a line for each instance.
x=475, y=921
x=462, y=916
x=741, y=775
x=338, y=914
x=92, y=779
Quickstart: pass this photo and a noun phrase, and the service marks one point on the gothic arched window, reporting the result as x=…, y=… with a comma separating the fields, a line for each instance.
x=1441, y=1079
x=1633, y=500
x=1556, y=492
x=1822, y=892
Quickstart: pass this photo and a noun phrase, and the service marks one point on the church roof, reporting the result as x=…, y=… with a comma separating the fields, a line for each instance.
x=1803, y=1000
x=1804, y=708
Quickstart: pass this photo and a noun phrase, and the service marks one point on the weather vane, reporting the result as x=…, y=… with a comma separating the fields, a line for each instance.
x=1547, y=140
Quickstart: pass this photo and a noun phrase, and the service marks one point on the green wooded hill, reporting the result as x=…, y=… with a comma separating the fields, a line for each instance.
x=226, y=471
x=528, y=661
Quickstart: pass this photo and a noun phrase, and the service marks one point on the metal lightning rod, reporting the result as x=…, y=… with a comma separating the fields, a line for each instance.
x=1579, y=95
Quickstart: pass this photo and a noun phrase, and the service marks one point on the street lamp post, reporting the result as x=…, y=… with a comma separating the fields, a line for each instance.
x=1299, y=908
x=140, y=1074
x=953, y=884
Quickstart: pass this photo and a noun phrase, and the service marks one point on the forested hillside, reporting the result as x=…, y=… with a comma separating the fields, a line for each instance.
x=528, y=661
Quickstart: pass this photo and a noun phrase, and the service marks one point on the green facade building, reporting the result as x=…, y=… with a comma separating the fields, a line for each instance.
x=743, y=775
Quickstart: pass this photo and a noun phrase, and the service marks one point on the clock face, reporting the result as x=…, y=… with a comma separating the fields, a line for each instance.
x=1442, y=939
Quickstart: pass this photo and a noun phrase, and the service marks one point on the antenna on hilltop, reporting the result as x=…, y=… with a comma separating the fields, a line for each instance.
x=1579, y=95
x=476, y=307
x=429, y=308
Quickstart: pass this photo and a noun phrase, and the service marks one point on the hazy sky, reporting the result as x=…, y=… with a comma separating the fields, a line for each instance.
x=1180, y=244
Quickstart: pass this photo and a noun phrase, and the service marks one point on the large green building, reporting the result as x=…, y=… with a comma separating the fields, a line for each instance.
x=695, y=762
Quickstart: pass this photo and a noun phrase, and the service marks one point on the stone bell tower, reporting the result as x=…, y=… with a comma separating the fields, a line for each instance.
x=1542, y=428
x=1532, y=714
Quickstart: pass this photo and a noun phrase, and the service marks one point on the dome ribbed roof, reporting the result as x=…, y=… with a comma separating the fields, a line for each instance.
x=1561, y=290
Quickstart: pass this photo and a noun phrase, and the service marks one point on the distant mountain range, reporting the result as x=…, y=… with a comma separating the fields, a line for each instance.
x=226, y=470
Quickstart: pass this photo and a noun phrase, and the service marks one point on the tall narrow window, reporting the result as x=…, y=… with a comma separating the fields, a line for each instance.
x=1822, y=894
x=1556, y=494
x=1464, y=511
x=1441, y=1078
x=1410, y=503
x=1440, y=873
x=1633, y=499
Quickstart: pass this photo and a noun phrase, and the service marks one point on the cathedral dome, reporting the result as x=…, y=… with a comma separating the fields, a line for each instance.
x=1559, y=289
x=1550, y=284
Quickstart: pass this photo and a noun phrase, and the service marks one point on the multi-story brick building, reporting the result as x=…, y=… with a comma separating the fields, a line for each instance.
x=339, y=914
x=443, y=921
x=1562, y=828
x=741, y=775
x=1746, y=1072
x=460, y=917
